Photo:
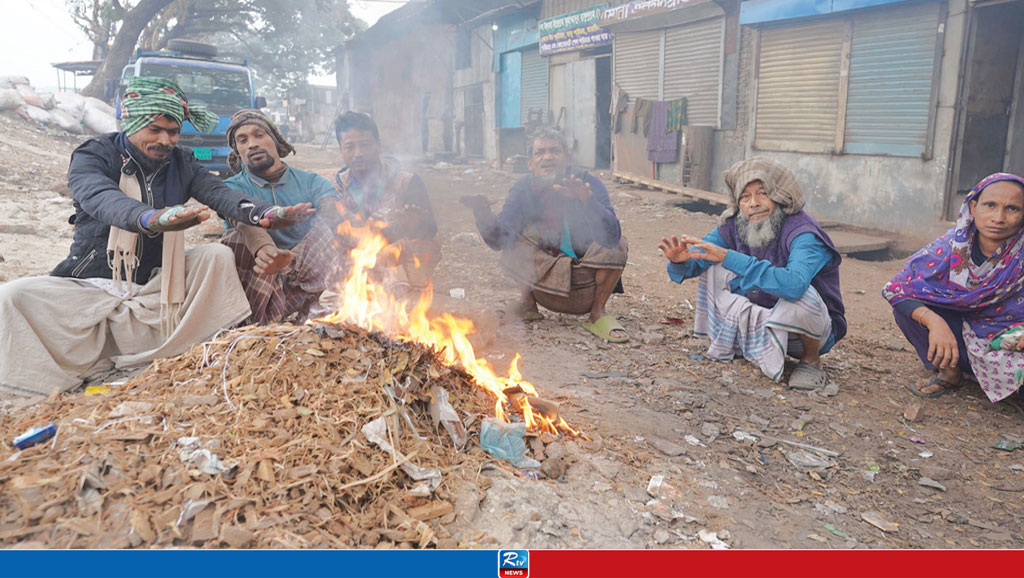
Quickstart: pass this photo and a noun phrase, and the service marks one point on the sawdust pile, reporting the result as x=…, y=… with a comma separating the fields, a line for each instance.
x=271, y=437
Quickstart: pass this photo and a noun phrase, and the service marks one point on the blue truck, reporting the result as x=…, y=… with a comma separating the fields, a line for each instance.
x=224, y=87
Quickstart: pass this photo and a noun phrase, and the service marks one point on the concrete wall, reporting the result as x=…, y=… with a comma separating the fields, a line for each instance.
x=895, y=193
x=392, y=78
x=478, y=73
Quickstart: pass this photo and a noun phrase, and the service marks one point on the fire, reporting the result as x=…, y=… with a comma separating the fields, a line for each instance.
x=365, y=301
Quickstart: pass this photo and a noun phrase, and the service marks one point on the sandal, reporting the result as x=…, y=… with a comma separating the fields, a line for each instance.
x=807, y=377
x=935, y=380
x=603, y=328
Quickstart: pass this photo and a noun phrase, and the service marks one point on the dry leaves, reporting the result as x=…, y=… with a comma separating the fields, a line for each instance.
x=281, y=408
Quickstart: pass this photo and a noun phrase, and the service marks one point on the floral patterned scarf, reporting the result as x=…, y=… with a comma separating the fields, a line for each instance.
x=942, y=274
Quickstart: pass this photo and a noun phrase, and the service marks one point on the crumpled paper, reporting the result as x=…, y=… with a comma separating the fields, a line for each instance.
x=193, y=454
x=429, y=478
x=442, y=412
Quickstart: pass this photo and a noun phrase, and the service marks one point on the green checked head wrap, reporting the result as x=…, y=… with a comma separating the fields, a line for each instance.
x=147, y=99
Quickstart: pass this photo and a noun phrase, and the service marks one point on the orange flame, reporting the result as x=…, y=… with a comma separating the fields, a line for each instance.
x=365, y=301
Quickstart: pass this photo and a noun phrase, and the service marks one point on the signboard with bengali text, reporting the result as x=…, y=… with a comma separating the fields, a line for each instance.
x=574, y=31
x=638, y=8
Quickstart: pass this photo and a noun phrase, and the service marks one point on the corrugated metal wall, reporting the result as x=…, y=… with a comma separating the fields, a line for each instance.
x=892, y=62
x=636, y=57
x=693, y=68
x=798, y=87
x=535, y=83
x=553, y=8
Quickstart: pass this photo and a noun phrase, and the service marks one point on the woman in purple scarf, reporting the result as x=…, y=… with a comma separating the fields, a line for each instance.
x=955, y=298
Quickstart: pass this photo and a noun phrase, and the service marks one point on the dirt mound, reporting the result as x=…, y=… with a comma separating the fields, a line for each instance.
x=278, y=436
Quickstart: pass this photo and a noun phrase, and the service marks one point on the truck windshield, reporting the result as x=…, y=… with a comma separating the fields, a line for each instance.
x=223, y=91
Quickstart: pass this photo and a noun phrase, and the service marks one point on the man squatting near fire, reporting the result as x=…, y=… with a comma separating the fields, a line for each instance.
x=769, y=276
x=375, y=189
x=559, y=238
x=129, y=292
x=285, y=271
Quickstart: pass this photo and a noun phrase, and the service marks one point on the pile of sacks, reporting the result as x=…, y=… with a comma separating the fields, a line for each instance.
x=67, y=111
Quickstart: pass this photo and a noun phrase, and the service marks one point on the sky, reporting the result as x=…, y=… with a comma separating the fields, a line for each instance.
x=36, y=33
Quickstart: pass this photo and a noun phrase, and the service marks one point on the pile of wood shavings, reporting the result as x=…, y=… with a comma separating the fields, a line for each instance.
x=281, y=459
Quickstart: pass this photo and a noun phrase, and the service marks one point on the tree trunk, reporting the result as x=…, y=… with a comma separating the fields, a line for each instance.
x=104, y=82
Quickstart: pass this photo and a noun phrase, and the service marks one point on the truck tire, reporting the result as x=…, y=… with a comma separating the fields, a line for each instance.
x=193, y=48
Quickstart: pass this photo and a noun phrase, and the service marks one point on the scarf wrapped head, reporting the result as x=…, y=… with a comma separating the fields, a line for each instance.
x=148, y=98
x=779, y=183
x=255, y=117
x=943, y=275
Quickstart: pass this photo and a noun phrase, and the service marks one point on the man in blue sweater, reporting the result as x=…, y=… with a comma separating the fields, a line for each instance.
x=769, y=276
x=283, y=272
x=559, y=237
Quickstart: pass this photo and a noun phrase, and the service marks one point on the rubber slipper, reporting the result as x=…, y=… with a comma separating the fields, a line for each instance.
x=807, y=377
x=603, y=328
x=935, y=380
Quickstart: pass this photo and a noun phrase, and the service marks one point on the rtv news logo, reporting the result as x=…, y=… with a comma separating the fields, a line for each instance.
x=513, y=563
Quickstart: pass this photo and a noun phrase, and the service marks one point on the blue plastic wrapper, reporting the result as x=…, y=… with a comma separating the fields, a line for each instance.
x=505, y=442
x=36, y=435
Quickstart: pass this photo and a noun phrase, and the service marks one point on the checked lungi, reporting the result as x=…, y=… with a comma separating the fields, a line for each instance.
x=315, y=267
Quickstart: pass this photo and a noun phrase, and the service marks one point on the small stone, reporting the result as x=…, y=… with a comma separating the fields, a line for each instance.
x=878, y=520
x=912, y=413
x=930, y=483
x=937, y=473
x=662, y=536
x=842, y=431
x=806, y=460
x=465, y=239
x=553, y=468
x=831, y=390
x=718, y=502
x=710, y=430
x=666, y=447
x=652, y=338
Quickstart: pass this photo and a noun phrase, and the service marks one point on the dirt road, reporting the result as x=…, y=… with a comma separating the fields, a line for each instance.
x=720, y=433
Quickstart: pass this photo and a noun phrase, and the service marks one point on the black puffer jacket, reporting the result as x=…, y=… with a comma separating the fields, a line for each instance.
x=93, y=176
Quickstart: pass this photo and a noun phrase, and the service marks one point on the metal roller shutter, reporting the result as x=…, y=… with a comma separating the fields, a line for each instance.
x=798, y=87
x=535, y=83
x=636, y=57
x=892, y=64
x=693, y=68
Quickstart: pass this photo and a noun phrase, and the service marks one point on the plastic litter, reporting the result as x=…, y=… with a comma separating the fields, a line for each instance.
x=1006, y=446
x=835, y=531
x=697, y=357
x=457, y=293
x=505, y=442
x=35, y=436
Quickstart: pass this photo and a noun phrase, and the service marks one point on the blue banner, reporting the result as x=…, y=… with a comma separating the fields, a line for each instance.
x=250, y=563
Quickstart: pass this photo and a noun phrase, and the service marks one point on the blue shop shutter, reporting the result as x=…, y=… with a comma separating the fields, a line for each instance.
x=892, y=64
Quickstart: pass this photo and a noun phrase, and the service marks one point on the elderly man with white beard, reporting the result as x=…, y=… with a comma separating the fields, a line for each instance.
x=769, y=277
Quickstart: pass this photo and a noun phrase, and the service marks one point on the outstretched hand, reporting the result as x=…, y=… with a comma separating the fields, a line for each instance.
x=477, y=203
x=674, y=249
x=703, y=250
x=177, y=218
x=574, y=188
x=284, y=217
